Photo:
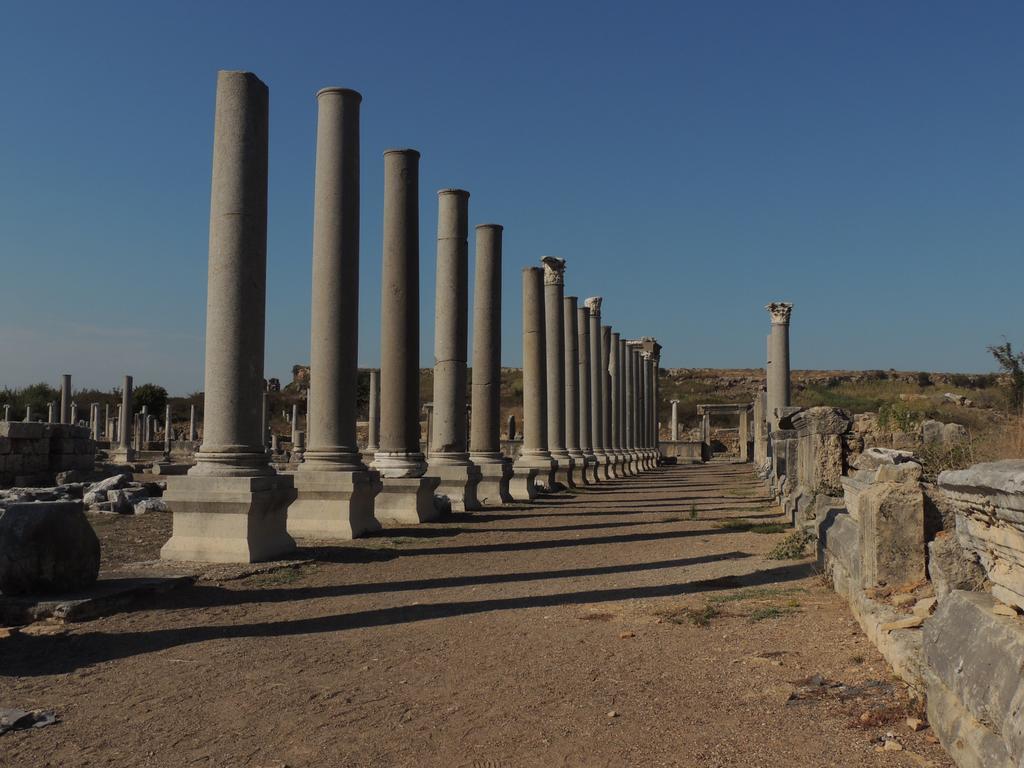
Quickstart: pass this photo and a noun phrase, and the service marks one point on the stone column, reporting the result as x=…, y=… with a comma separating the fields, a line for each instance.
x=192, y=434
x=611, y=465
x=408, y=496
x=145, y=438
x=334, y=490
x=73, y=417
x=655, y=399
x=52, y=412
x=448, y=456
x=94, y=420
x=744, y=434
x=7, y=413
x=485, y=440
x=232, y=506
x=629, y=392
x=616, y=405
x=373, y=415
x=511, y=426
x=675, y=421
x=572, y=388
x=108, y=432
x=168, y=431
x=705, y=434
x=645, y=404
x=125, y=452
x=597, y=384
x=295, y=419
x=65, y=399
x=622, y=371
x=554, y=344
x=28, y=413
x=264, y=420
x=778, y=371
x=428, y=415
x=534, y=464
x=586, y=409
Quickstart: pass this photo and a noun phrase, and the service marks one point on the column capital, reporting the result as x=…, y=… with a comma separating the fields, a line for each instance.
x=593, y=305
x=780, y=312
x=554, y=270
x=674, y=402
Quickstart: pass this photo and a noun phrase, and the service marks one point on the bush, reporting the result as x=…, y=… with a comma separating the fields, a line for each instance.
x=791, y=547
x=924, y=379
x=153, y=396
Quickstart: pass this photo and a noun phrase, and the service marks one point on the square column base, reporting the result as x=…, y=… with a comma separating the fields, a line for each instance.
x=603, y=468
x=579, y=470
x=459, y=483
x=493, y=487
x=590, y=469
x=334, y=505
x=523, y=484
x=407, y=500
x=563, y=473
x=615, y=466
x=229, y=519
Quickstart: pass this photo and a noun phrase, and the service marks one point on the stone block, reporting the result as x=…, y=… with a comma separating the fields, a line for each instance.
x=408, y=500
x=931, y=432
x=23, y=430
x=951, y=567
x=974, y=658
x=229, y=519
x=458, y=483
x=954, y=433
x=47, y=547
x=334, y=505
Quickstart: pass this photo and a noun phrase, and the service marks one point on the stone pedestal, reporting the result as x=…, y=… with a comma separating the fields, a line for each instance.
x=459, y=483
x=525, y=483
x=334, y=505
x=495, y=476
x=407, y=500
x=228, y=519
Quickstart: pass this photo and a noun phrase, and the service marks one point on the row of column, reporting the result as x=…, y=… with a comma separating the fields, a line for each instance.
x=232, y=505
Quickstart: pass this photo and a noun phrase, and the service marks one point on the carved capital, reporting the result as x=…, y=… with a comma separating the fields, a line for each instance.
x=554, y=270
x=780, y=312
x=594, y=305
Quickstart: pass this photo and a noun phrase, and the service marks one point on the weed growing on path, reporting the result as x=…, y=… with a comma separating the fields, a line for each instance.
x=791, y=547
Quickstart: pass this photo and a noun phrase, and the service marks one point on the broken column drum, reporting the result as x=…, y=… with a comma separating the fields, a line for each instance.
x=232, y=506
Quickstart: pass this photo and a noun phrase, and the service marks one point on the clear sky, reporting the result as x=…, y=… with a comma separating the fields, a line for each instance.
x=691, y=161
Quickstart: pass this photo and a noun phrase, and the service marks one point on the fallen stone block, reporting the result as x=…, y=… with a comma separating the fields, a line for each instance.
x=47, y=547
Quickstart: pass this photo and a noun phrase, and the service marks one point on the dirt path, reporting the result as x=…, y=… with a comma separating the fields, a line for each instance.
x=616, y=627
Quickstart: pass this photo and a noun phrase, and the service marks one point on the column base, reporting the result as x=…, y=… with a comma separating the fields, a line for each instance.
x=459, y=483
x=229, y=519
x=615, y=465
x=407, y=500
x=579, y=474
x=563, y=472
x=590, y=469
x=334, y=505
x=523, y=485
x=603, y=469
x=399, y=464
x=122, y=455
x=495, y=476
x=634, y=462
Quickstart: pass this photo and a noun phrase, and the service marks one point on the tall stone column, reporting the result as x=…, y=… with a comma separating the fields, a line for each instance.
x=622, y=371
x=611, y=465
x=586, y=409
x=232, y=506
x=485, y=438
x=94, y=420
x=408, y=496
x=675, y=421
x=645, y=398
x=65, y=399
x=108, y=433
x=570, y=330
x=7, y=413
x=778, y=370
x=168, y=431
x=597, y=386
x=295, y=420
x=655, y=399
x=335, y=491
x=554, y=342
x=629, y=393
x=448, y=453
x=373, y=415
x=124, y=452
x=616, y=405
x=744, y=435
x=192, y=433
x=146, y=436
x=534, y=464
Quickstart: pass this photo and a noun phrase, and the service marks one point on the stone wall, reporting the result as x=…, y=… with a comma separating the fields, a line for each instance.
x=32, y=453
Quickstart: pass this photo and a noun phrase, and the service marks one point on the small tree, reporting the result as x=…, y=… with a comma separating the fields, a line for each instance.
x=1012, y=364
x=153, y=396
x=924, y=379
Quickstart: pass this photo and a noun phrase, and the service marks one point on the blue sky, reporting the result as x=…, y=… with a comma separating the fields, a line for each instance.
x=691, y=161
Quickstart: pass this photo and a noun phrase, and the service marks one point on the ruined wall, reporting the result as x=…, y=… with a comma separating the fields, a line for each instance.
x=32, y=453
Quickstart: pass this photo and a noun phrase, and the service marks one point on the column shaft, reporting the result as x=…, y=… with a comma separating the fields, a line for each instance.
x=334, y=330
x=65, y=398
x=585, y=416
x=554, y=341
x=236, y=281
x=535, y=421
x=373, y=417
x=485, y=440
x=572, y=376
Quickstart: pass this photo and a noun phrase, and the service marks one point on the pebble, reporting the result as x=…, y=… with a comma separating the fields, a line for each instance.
x=613, y=713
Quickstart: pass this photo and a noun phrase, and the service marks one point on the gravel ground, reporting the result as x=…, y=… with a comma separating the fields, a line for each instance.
x=620, y=626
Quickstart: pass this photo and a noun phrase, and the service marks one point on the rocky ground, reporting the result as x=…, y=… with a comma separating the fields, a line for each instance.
x=636, y=624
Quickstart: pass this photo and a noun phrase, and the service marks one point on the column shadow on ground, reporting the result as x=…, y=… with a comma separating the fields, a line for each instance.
x=33, y=656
